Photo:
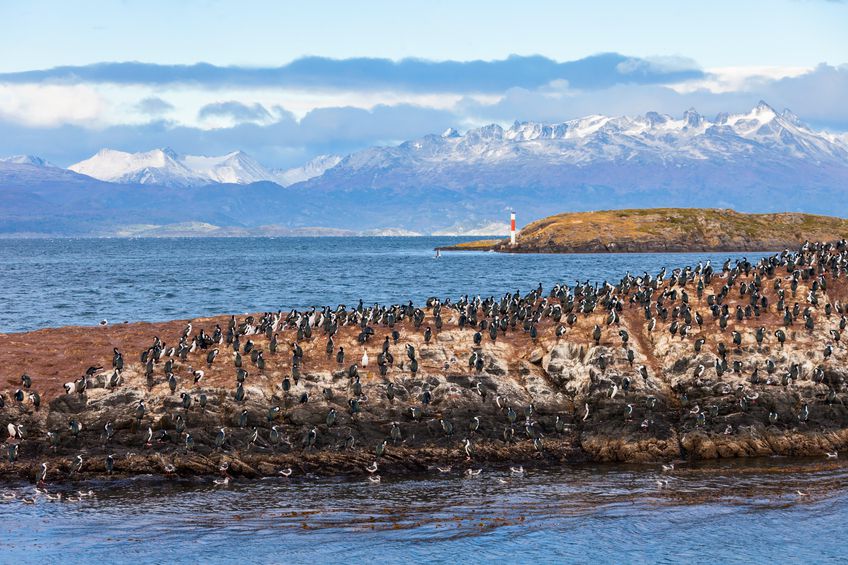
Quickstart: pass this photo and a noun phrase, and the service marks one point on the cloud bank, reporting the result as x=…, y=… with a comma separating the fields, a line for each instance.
x=66, y=114
x=418, y=75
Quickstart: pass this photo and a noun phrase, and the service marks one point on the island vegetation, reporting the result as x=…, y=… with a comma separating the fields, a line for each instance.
x=665, y=230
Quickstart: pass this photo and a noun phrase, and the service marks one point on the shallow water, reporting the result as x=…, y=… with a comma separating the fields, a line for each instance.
x=50, y=283
x=728, y=512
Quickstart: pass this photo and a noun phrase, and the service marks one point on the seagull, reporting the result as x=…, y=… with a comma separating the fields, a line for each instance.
x=832, y=454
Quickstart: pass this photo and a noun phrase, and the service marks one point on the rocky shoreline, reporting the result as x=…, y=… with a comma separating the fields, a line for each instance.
x=570, y=375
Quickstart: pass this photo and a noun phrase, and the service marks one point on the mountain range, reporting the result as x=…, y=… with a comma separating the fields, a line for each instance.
x=758, y=161
x=166, y=168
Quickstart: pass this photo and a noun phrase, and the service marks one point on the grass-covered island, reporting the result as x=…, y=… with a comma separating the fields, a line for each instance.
x=665, y=230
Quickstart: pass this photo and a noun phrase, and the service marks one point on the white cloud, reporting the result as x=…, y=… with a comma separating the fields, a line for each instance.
x=50, y=105
x=732, y=79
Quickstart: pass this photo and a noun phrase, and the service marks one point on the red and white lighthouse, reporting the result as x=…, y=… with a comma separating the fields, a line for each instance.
x=512, y=228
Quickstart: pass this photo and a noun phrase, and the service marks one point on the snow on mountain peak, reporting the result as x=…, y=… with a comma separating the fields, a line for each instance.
x=651, y=138
x=165, y=166
x=692, y=118
x=27, y=160
x=314, y=168
x=763, y=107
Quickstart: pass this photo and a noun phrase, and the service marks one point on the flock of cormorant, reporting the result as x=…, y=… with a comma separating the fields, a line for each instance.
x=729, y=314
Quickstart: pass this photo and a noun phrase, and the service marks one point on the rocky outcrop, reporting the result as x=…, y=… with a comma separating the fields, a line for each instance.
x=532, y=400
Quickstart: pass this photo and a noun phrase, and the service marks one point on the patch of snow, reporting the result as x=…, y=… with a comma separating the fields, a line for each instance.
x=314, y=168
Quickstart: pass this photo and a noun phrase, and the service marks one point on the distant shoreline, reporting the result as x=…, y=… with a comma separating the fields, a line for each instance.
x=16, y=236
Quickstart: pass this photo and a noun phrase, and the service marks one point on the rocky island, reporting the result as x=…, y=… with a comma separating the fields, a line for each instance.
x=701, y=362
x=663, y=230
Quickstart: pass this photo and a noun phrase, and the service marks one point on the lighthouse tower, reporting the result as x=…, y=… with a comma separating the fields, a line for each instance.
x=512, y=228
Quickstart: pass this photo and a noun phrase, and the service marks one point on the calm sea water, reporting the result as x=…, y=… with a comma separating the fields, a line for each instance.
x=730, y=512
x=773, y=511
x=82, y=281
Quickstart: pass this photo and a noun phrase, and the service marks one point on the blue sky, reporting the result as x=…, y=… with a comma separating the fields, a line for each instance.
x=287, y=81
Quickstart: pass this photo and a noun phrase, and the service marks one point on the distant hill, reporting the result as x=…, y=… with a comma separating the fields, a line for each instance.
x=667, y=230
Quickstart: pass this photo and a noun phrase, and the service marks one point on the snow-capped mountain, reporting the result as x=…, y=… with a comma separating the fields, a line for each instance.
x=525, y=152
x=166, y=167
x=757, y=161
x=314, y=168
x=236, y=168
x=27, y=160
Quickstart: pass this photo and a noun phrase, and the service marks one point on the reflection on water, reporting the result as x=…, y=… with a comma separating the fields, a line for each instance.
x=746, y=511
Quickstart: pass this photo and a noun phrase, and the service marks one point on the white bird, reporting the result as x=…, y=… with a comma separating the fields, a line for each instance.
x=467, y=446
x=286, y=472
x=669, y=467
x=614, y=390
x=374, y=478
x=586, y=415
x=372, y=468
x=832, y=454
x=517, y=470
x=364, y=359
x=197, y=375
x=473, y=473
x=222, y=482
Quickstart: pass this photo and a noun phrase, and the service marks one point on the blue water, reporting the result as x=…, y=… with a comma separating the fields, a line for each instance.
x=731, y=512
x=59, y=282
